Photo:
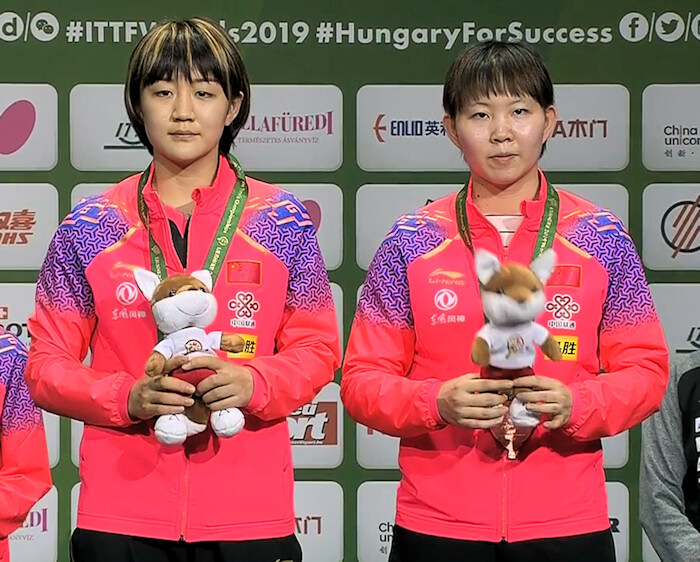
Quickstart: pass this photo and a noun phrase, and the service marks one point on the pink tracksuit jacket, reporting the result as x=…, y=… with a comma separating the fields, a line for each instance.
x=273, y=290
x=417, y=317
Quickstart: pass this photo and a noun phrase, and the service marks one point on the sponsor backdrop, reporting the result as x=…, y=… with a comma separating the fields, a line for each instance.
x=346, y=113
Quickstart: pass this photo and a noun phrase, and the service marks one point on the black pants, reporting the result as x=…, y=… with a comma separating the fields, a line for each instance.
x=94, y=546
x=408, y=546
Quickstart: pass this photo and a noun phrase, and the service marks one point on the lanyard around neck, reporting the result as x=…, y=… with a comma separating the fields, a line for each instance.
x=548, y=226
x=225, y=231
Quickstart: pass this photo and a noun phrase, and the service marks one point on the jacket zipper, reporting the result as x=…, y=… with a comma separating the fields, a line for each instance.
x=183, y=500
x=504, y=507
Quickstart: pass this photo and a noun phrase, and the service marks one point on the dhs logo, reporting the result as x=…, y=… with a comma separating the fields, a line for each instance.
x=314, y=424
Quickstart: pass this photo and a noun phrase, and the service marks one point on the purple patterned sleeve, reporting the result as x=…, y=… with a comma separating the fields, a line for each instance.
x=385, y=296
x=18, y=410
x=628, y=301
x=91, y=227
x=284, y=227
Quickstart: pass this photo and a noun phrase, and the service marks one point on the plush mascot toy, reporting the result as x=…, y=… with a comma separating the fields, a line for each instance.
x=512, y=296
x=183, y=306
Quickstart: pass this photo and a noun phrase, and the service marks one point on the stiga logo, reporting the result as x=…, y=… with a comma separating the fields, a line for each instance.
x=16, y=227
x=314, y=424
x=18, y=329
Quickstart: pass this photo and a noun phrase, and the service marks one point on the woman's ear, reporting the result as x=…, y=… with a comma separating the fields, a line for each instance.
x=551, y=116
x=234, y=108
x=451, y=129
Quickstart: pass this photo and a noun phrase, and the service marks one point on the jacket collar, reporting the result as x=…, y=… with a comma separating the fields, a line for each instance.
x=206, y=198
x=531, y=209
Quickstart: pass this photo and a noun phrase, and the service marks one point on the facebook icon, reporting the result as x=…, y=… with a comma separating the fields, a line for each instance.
x=634, y=27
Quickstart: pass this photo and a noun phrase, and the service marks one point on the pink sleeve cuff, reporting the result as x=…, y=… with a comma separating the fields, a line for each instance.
x=576, y=410
x=123, y=400
x=260, y=395
x=435, y=417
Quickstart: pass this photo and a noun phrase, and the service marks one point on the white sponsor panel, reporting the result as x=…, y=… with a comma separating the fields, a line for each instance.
x=28, y=220
x=619, y=512
x=671, y=127
x=616, y=450
x=37, y=538
x=324, y=203
x=671, y=226
x=28, y=127
x=295, y=127
x=76, y=436
x=101, y=136
x=319, y=520
x=378, y=207
x=376, y=449
x=74, y=495
x=16, y=305
x=316, y=430
x=83, y=190
x=610, y=196
x=376, y=510
x=648, y=552
x=52, y=428
x=678, y=307
x=400, y=128
x=592, y=133
x=337, y=293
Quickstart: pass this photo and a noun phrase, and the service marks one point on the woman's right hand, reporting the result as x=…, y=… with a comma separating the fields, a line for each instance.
x=470, y=401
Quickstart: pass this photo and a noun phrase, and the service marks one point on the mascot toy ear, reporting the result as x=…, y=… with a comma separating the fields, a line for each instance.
x=487, y=265
x=543, y=266
x=204, y=275
x=147, y=282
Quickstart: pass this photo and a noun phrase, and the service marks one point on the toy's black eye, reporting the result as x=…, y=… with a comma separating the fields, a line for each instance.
x=172, y=293
x=203, y=289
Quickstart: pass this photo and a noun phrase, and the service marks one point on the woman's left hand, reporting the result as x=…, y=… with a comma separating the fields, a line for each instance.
x=545, y=396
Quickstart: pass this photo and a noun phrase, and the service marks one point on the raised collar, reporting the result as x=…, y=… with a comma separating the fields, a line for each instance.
x=531, y=209
x=206, y=198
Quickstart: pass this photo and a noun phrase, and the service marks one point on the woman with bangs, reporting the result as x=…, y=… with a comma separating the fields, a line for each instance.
x=408, y=368
x=210, y=499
